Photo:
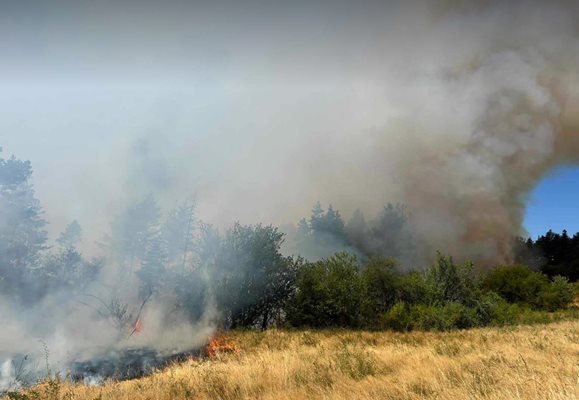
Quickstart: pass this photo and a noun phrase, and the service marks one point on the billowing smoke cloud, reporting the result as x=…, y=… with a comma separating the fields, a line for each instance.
x=495, y=116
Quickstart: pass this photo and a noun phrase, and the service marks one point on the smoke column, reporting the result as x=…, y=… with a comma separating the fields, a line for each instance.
x=496, y=116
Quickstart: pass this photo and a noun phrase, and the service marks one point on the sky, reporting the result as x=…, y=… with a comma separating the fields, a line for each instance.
x=554, y=203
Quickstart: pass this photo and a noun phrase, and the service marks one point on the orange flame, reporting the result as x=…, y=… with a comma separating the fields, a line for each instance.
x=220, y=344
x=137, y=328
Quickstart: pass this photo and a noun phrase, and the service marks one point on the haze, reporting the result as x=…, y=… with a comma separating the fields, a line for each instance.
x=258, y=110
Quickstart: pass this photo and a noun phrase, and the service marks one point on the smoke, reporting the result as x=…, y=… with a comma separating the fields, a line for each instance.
x=454, y=108
x=491, y=126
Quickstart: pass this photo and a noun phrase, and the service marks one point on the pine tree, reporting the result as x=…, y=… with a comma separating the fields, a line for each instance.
x=152, y=272
x=178, y=232
x=22, y=234
x=71, y=236
x=133, y=232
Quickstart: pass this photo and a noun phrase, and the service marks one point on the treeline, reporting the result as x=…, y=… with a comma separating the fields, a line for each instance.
x=337, y=292
x=389, y=233
x=242, y=278
x=552, y=253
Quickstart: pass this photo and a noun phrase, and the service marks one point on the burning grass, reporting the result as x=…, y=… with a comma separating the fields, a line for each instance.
x=524, y=362
x=219, y=344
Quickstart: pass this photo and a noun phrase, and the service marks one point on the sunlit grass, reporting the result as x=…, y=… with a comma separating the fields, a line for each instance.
x=523, y=362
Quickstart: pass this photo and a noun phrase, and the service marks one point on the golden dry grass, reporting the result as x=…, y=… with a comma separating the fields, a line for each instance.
x=525, y=362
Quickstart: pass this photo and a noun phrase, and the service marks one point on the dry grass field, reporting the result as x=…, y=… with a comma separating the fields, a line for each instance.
x=523, y=362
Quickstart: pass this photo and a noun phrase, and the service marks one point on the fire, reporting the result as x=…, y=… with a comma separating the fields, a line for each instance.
x=137, y=328
x=220, y=344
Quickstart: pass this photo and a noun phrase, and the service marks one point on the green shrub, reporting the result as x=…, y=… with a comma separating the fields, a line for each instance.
x=453, y=315
x=557, y=295
x=337, y=292
x=518, y=284
x=379, y=281
x=493, y=309
x=453, y=282
x=442, y=317
x=397, y=318
x=413, y=288
x=328, y=293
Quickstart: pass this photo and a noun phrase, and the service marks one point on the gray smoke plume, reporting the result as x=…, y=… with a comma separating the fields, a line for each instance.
x=497, y=114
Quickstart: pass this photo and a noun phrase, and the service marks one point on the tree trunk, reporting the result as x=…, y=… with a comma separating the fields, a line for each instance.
x=265, y=319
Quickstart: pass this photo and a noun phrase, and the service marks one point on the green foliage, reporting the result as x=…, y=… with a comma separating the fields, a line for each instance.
x=493, y=309
x=338, y=292
x=415, y=288
x=451, y=315
x=452, y=282
x=441, y=317
x=244, y=274
x=379, y=283
x=519, y=284
x=251, y=279
x=397, y=318
x=559, y=294
x=328, y=293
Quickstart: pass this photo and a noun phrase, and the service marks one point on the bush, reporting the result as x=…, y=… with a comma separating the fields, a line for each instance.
x=397, y=318
x=492, y=309
x=337, y=292
x=328, y=293
x=559, y=294
x=452, y=282
x=518, y=284
x=443, y=317
x=453, y=315
x=413, y=288
x=379, y=281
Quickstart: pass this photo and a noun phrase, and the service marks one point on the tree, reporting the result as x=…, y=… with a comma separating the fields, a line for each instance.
x=251, y=278
x=553, y=253
x=323, y=236
x=22, y=234
x=389, y=233
x=133, y=231
x=328, y=293
x=316, y=219
x=152, y=272
x=380, y=283
x=71, y=236
x=327, y=224
x=178, y=232
x=453, y=282
x=63, y=270
x=303, y=232
x=357, y=231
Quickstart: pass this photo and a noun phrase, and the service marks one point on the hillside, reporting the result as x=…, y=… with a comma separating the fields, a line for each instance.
x=523, y=362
